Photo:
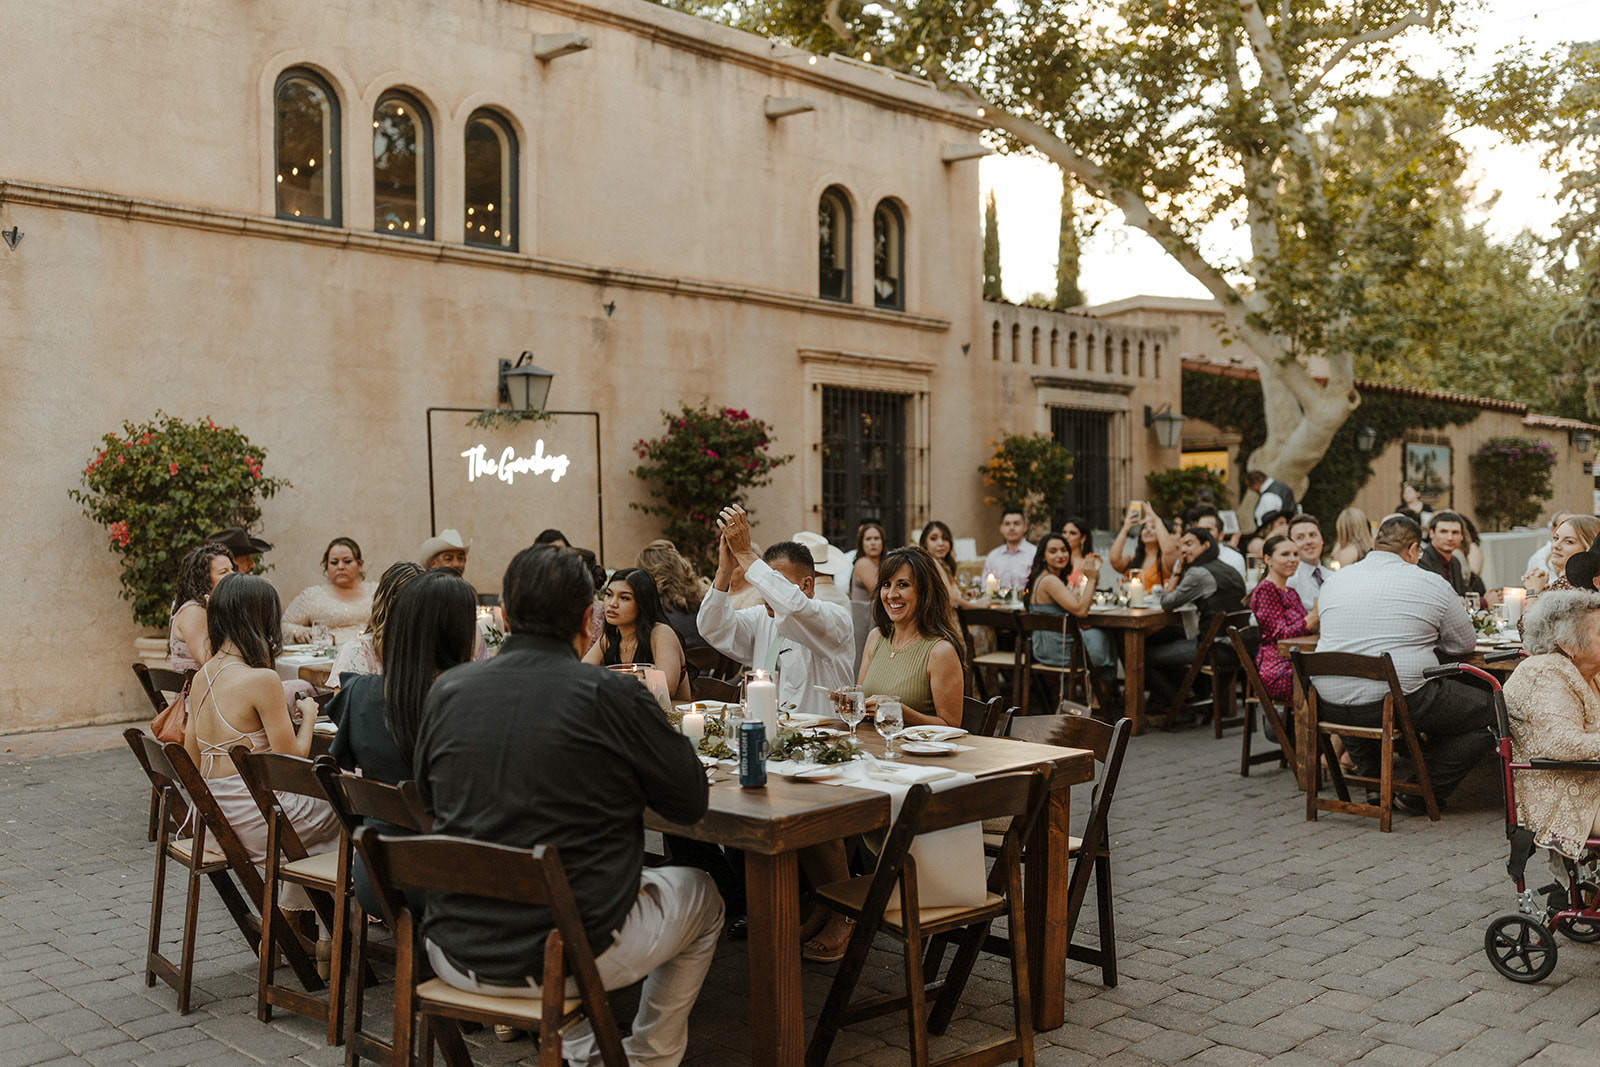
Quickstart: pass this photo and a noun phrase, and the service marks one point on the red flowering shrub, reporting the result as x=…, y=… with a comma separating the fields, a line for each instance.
x=154, y=490
x=705, y=461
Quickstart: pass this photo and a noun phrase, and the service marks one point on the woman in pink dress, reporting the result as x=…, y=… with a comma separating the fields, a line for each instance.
x=1279, y=613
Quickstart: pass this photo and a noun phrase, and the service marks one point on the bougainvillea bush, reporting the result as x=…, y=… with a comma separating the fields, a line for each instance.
x=706, y=460
x=1511, y=480
x=1029, y=472
x=159, y=488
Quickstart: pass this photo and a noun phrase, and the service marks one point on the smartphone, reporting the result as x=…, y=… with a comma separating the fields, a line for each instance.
x=1135, y=513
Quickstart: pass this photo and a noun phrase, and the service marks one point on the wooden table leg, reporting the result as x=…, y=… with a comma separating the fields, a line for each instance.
x=1305, y=752
x=1045, y=877
x=777, y=1016
x=1133, y=681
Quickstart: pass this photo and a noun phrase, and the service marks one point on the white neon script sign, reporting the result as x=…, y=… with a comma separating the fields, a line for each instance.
x=509, y=465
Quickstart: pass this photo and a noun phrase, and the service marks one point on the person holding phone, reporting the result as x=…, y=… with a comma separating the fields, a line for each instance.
x=1154, y=557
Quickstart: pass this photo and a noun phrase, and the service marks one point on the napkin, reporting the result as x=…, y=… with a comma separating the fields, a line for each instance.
x=931, y=733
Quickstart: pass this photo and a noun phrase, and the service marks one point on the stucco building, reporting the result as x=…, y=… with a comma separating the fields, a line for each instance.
x=317, y=222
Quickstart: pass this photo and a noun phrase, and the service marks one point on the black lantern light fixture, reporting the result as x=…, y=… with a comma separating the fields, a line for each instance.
x=1168, y=426
x=1366, y=439
x=524, y=386
x=1583, y=439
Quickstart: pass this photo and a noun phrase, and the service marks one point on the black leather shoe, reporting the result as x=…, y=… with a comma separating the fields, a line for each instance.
x=738, y=928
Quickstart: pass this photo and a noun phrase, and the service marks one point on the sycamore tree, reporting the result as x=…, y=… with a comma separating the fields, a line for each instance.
x=1192, y=117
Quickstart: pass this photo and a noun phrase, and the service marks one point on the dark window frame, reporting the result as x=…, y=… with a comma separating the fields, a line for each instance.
x=425, y=214
x=836, y=192
x=512, y=197
x=335, y=137
x=898, y=218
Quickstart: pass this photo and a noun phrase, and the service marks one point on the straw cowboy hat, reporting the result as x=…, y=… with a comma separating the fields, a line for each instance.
x=828, y=560
x=438, y=543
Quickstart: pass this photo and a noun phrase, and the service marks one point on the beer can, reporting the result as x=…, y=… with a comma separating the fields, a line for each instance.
x=753, y=755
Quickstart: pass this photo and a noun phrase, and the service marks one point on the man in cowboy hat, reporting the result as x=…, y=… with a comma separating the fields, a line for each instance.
x=445, y=549
x=831, y=567
x=245, y=548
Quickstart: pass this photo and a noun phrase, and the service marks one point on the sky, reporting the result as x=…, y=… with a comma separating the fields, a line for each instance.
x=1120, y=262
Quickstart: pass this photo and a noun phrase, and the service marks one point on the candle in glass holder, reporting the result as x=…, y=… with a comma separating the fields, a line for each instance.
x=694, y=726
x=1514, y=598
x=1135, y=592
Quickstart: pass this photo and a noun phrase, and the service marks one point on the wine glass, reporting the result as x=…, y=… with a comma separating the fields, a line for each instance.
x=851, y=702
x=888, y=719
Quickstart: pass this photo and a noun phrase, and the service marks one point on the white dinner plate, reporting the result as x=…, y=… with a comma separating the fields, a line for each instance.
x=929, y=748
x=931, y=733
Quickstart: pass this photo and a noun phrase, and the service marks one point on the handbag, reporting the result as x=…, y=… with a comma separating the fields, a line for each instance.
x=174, y=719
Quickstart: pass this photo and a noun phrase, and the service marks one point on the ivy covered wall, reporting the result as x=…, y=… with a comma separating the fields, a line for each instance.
x=1234, y=404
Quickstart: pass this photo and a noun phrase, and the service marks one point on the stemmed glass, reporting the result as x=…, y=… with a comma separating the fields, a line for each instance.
x=851, y=702
x=888, y=719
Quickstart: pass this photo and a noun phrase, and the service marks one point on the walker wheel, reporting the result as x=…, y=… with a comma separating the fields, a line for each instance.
x=1520, y=949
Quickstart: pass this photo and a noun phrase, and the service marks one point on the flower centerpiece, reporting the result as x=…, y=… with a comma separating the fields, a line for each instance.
x=160, y=488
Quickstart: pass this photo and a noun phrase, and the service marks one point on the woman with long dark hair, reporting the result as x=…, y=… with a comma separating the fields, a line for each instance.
x=870, y=543
x=201, y=570
x=636, y=630
x=363, y=654
x=915, y=653
x=1055, y=588
x=1080, y=546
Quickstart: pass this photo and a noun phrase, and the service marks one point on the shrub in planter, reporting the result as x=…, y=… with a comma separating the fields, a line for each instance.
x=705, y=461
x=1029, y=472
x=1174, y=490
x=159, y=488
x=1510, y=480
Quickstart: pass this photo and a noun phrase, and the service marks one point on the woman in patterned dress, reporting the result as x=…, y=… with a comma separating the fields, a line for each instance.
x=1279, y=613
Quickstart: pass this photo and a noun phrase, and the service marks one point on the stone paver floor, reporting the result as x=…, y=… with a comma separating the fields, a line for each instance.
x=1246, y=935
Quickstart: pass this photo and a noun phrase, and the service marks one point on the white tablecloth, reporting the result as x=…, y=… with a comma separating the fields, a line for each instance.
x=291, y=660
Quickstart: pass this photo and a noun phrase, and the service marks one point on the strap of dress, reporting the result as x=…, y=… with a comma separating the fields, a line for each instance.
x=209, y=751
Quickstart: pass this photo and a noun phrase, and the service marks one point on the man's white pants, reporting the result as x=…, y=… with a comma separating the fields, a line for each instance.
x=667, y=940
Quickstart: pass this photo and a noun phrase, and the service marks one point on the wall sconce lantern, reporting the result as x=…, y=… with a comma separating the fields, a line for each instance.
x=524, y=386
x=1583, y=439
x=1168, y=426
x=1366, y=439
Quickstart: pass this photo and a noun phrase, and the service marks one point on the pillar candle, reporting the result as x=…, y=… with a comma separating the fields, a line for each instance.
x=694, y=726
x=761, y=704
x=991, y=585
x=1136, y=592
x=1514, y=599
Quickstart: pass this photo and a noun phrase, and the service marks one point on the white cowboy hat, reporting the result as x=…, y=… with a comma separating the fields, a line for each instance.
x=438, y=543
x=828, y=560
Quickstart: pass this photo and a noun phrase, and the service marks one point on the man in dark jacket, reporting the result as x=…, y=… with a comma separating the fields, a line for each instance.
x=1209, y=584
x=535, y=747
x=1445, y=534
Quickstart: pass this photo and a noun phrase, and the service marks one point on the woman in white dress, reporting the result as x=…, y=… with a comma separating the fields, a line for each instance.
x=344, y=602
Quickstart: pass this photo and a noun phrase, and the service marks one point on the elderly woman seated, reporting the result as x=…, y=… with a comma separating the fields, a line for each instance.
x=1555, y=714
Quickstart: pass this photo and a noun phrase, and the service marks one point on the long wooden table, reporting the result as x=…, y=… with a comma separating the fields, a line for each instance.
x=771, y=825
x=1136, y=624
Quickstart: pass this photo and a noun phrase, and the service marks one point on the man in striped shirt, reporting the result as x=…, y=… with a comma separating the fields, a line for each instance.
x=1386, y=603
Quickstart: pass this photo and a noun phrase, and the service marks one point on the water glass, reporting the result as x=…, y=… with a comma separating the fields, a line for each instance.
x=320, y=636
x=851, y=703
x=889, y=719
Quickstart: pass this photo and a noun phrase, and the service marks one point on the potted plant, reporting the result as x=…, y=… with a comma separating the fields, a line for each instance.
x=159, y=488
x=1029, y=472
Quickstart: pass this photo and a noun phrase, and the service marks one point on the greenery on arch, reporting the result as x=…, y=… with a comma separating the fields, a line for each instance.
x=1511, y=480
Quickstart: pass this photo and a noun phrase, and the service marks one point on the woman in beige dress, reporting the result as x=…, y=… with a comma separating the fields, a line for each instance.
x=1554, y=708
x=344, y=603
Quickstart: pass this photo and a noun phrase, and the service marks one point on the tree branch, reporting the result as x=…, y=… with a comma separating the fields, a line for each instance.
x=831, y=17
x=1382, y=33
x=1276, y=80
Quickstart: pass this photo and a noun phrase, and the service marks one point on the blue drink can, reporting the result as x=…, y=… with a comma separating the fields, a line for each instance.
x=753, y=755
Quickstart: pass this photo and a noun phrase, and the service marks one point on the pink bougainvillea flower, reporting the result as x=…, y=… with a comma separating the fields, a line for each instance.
x=172, y=468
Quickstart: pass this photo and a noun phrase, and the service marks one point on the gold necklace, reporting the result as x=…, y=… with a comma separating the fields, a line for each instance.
x=893, y=651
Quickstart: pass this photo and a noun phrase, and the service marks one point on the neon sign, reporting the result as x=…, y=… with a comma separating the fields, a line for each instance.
x=509, y=465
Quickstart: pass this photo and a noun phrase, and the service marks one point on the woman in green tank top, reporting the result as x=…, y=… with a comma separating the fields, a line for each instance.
x=915, y=655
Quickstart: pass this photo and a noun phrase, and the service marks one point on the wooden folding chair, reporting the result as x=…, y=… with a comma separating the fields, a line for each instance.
x=1256, y=696
x=867, y=900
x=706, y=687
x=222, y=860
x=393, y=808
x=988, y=666
x=1072, y=678
x=161, y=687
x=711, y=663
x=266, y=775
x=1214, y=658
x=440, y=864
x=985, y=719
x=1308, y=667
x=1091, y=853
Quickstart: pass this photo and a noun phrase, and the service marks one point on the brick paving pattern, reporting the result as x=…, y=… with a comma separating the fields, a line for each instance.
x=1247, y=935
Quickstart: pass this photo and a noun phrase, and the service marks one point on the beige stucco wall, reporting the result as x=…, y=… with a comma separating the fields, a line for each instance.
x=152, y=274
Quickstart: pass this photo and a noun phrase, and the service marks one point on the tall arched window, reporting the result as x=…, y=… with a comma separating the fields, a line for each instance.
x=888, y=257
x=1055, y=345
x=1124, y=356
x=1141, y=359
x=994, y=337
x=1111, y=356
x=491, y=181
x=1016, y=342
x=1034, y=351
x=833, y=245
x=1072, y=350
x=306, y=136
x=402, y=167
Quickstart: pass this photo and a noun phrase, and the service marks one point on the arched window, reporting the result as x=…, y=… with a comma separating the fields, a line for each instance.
x=1035, y=350
x=1124, y=357
x=1088, y=352
x=402, y=167
x=833, y=245
x=491, y=181
x=1016, y=342
x=1111, y=355
x=1072, y=350
x=1055, y=345
x=888, y=257
x=994, y=339
x=1141, y=359
x=306, y=124
x=1158, y=360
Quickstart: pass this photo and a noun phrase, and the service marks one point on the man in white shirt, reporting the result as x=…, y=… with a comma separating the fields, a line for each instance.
x=1011, y=562
x=1386, y=603
x=811, y=641
x=1540, y=560
x=1308, y=577
x=1271, y=495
